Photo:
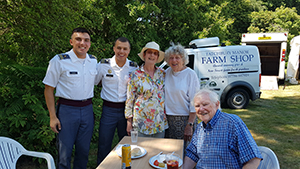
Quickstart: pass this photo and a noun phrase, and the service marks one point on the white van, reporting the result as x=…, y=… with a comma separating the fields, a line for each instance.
x=272, y=49
x=231, y=71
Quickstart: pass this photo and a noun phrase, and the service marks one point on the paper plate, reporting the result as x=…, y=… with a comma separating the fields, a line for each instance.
x=161, y=158
x=119, y=151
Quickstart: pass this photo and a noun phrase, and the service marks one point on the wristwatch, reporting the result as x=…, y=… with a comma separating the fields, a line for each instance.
x=190, y=123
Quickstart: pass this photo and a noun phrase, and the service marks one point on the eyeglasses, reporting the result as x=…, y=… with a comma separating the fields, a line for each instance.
x=150, y=52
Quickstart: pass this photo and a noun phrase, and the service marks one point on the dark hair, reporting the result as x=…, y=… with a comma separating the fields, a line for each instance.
x=81, y=30
x=122, y=39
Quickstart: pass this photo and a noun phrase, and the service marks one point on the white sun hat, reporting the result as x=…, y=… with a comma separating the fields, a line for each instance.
x=155, y=46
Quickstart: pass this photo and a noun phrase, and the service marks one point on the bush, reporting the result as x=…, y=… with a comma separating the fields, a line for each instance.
x=23, y=113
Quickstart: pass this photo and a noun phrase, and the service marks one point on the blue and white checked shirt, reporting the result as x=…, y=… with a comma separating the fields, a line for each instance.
x=225, y=142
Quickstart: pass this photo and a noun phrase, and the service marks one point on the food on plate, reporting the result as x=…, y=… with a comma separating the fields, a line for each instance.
x=136, y=152
x=161, y=165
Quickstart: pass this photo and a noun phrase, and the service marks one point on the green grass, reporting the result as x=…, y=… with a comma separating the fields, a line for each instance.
x=274, y=121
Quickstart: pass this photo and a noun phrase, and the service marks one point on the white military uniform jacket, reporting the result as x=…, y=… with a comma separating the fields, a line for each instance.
x=114, y=79
x=72, y=77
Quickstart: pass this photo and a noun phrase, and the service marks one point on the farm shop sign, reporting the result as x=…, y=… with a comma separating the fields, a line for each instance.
x=222, y=57
x=227, y=61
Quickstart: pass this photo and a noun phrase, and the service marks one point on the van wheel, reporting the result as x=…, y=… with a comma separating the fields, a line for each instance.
x=238, y=99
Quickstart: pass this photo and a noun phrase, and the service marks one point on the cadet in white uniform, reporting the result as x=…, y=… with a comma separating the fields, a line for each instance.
x=72, y=74
x=113, y=74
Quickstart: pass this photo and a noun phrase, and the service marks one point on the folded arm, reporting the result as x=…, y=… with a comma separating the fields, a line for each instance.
x=251, y=164
x=188, y=163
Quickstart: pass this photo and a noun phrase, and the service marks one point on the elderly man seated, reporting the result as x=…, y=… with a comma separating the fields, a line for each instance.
x=221, y=140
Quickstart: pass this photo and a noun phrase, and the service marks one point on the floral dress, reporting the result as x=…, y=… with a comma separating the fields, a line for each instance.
x=145, y=101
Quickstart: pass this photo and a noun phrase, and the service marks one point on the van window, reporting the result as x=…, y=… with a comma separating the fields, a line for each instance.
x=191, y=62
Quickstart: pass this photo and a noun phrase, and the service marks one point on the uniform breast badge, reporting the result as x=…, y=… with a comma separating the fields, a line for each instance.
x=109, y=71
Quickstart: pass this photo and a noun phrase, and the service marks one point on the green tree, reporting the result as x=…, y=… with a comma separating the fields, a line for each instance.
x=166, y=21
x=112, y=21
x=32, y=32
x=281, y=20
x=163, y=21
x=273, y=4
x=239, y=11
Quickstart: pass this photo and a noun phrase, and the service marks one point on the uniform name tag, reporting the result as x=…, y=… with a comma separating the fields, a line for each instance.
x=109, y=75
x=73, y=73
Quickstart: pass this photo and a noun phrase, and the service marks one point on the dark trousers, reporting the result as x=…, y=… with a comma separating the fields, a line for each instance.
x=77, y=125
x=111, y=119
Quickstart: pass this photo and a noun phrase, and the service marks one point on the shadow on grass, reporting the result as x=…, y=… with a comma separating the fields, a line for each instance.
x=275, y=123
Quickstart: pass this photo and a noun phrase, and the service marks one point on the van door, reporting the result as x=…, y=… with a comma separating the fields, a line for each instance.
x=209, y=66
x=272, y=49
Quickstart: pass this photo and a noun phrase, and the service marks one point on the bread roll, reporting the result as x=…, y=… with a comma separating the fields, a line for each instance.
x=136, y=152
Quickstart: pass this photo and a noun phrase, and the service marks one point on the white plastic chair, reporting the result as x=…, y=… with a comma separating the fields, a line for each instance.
x=11, y=150
x=270, y=160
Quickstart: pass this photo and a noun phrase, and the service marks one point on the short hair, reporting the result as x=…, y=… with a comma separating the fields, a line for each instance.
x=81, y=30
x=213, y=96
x=177, y=50
x=122, y=39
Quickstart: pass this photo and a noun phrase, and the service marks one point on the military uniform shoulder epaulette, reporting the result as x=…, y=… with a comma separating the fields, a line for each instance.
x=92, y=56
x=104, y=60
x=63, y=56
x=133, y=64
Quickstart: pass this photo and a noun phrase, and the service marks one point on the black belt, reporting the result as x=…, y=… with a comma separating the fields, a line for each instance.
x=75, y=103
x=114, y=104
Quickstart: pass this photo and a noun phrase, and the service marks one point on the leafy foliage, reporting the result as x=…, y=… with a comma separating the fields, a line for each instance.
x=273, y=4
x=22, y=107
x=282, y=20
x=32, y=32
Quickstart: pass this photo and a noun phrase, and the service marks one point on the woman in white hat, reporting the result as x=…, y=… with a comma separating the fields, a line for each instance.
x=144, y=109
x=181, y=85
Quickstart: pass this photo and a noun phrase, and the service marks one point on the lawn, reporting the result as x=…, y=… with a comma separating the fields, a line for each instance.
x=274, y=121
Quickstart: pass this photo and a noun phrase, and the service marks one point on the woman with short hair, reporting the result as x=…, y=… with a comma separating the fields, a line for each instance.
x=181, y=83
